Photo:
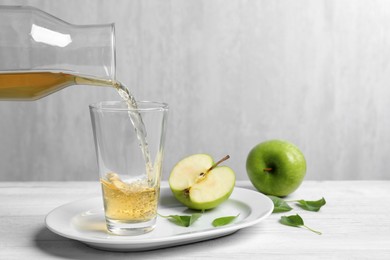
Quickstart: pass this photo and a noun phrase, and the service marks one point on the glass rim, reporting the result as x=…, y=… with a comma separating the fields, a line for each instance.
x=120, y=106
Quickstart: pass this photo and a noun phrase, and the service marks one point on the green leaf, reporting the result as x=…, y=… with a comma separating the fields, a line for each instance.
x=279, y=205
x=293, y=220
x=314, y=205
x=296, y=221
x=183, y=220
x=223, y=221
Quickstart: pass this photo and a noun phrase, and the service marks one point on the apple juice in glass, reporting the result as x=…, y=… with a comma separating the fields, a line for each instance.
x=130, y=189
x=129, y=202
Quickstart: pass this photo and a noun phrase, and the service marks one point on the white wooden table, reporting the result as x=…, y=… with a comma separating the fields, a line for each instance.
x=355, y=224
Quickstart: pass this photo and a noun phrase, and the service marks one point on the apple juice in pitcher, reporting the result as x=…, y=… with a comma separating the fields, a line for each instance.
x=33, y=85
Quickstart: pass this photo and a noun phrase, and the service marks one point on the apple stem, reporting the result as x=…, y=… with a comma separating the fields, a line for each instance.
x=202, y=175
x=216, y=164
x=267, y=169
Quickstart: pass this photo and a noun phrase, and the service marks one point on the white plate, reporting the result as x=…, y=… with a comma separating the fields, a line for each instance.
x=84, y=221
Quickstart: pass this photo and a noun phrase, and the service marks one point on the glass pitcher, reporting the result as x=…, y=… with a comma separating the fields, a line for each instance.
x=41, y=54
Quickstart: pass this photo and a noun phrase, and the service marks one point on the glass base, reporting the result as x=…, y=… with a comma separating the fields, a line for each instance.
x=123, y=228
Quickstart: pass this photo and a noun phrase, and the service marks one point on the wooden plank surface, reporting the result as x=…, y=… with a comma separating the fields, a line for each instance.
x=355, y=224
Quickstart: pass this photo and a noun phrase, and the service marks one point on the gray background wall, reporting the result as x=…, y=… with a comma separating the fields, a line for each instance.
x=235, y=73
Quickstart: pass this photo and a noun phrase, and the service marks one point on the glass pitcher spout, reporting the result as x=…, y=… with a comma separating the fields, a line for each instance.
x=41, y=54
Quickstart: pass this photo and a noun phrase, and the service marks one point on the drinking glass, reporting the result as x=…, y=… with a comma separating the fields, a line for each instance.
x=130, y=182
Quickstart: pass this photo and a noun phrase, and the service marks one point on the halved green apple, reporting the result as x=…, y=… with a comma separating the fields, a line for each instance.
x=199, y=183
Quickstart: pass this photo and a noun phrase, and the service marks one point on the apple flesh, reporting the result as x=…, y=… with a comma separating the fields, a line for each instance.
x=276, y=167
x=198, y=183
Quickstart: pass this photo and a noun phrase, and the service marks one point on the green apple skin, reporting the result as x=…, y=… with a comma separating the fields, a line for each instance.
x=276, y=167
x=206, y=194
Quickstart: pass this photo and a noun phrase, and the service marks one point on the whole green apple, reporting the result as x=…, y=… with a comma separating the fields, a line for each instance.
x=276, y=167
